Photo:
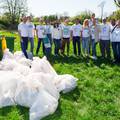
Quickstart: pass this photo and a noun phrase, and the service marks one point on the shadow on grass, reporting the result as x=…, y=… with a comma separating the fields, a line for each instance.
x=76, y=60
x=72, y=96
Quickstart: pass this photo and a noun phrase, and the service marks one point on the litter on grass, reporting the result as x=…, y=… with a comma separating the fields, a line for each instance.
x=32, y=83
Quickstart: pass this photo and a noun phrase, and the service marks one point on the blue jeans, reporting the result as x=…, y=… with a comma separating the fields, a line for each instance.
x=50, y=38
x=57, y=43
x=31, y=43
x=40, y=40
x=24, y=45
x=76, y=41
x=116, y=50
x=85, y=45
x=93, y=47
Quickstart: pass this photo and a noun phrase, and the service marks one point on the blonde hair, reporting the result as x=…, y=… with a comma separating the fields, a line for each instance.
x=86, y=23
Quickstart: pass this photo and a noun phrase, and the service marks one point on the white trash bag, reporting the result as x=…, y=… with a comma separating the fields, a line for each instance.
x=44, y=105
x=7, y=54
x=46, y=81
x=65, y=83
x=18, y=55
x=42, y=65
x=8, y=85
x=27, y=92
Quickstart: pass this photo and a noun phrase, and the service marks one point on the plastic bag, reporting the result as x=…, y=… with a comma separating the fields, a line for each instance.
x=44, y=105
x=27, y=92
x=65, y=83
x=8, y=64
x=7, y=54
x=42, y=65
x=46, y=81
x=8, y=85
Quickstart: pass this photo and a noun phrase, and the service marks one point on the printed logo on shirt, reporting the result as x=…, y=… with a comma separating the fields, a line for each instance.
x=30, y=26
x=66, y=31
x=104, y=29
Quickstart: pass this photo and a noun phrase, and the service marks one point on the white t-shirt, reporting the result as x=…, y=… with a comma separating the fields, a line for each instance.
x=76, y=29
x=105, y=32
x=66, y=31
x=86, y=32
x=41, y=31
x=23, y=29
x=115, y=35
x=31, y=29
x=48, y=29
x=92, y=31
x=57, y=33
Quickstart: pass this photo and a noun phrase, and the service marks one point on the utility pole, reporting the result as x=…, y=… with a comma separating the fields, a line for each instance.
x=101, y=5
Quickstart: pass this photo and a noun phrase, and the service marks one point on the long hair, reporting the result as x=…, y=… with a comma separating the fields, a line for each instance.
x=86, y=23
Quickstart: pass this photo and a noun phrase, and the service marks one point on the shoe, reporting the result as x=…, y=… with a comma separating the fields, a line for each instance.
x=94, y=57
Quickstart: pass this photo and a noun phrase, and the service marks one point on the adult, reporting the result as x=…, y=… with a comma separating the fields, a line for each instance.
x=76, y=34
x=31, y=32
x=48, y=28
x=91, y=20
x=85, y=37
x=40, y=32
x=105, y=39
x=57, y=36
x=94, y=30
x=115, y=38
x=66, y=34
x=23, y=33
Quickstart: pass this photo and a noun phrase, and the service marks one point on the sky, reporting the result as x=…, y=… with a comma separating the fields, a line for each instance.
x=69, y=7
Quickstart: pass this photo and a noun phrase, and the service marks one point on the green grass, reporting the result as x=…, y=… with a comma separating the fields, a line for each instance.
x=97, y=96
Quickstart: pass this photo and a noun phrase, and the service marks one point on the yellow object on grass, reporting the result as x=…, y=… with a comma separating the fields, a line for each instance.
x=4, y=44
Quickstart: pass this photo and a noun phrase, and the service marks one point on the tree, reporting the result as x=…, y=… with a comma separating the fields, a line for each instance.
x=117, y=2
x=14, y=9
x=115, y=15
x=83, y=15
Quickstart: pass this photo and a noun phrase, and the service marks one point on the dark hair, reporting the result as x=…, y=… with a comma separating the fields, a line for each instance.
x=56, y=24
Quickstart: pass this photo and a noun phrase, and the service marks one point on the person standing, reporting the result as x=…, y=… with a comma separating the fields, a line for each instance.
x=115, y=38
x=31, y=32
x=48, y=28
x=86, y=37
x=105, y=39
x=40, y=32
x=66, y=33
x=76, y=34
x=57, y=36
x=94, y=30
x=91, y=20
x=23, y=33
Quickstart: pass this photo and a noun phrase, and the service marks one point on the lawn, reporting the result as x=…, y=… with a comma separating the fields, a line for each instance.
x=97, y=96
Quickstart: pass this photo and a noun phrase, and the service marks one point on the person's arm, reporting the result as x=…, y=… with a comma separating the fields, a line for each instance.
x=37, y=32
x=34, y=31
x=19, y=32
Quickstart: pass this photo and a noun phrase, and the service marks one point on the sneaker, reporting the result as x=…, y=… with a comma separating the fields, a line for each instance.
x=94, y=57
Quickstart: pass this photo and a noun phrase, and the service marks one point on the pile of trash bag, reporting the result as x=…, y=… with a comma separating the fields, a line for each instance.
x=32, y=83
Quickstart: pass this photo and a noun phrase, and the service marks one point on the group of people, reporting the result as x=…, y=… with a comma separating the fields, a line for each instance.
x=84, y=37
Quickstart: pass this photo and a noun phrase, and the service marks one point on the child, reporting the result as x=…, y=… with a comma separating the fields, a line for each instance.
x=85, y=37
x=57, y=36
x=40, y=32
x=66, y=32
